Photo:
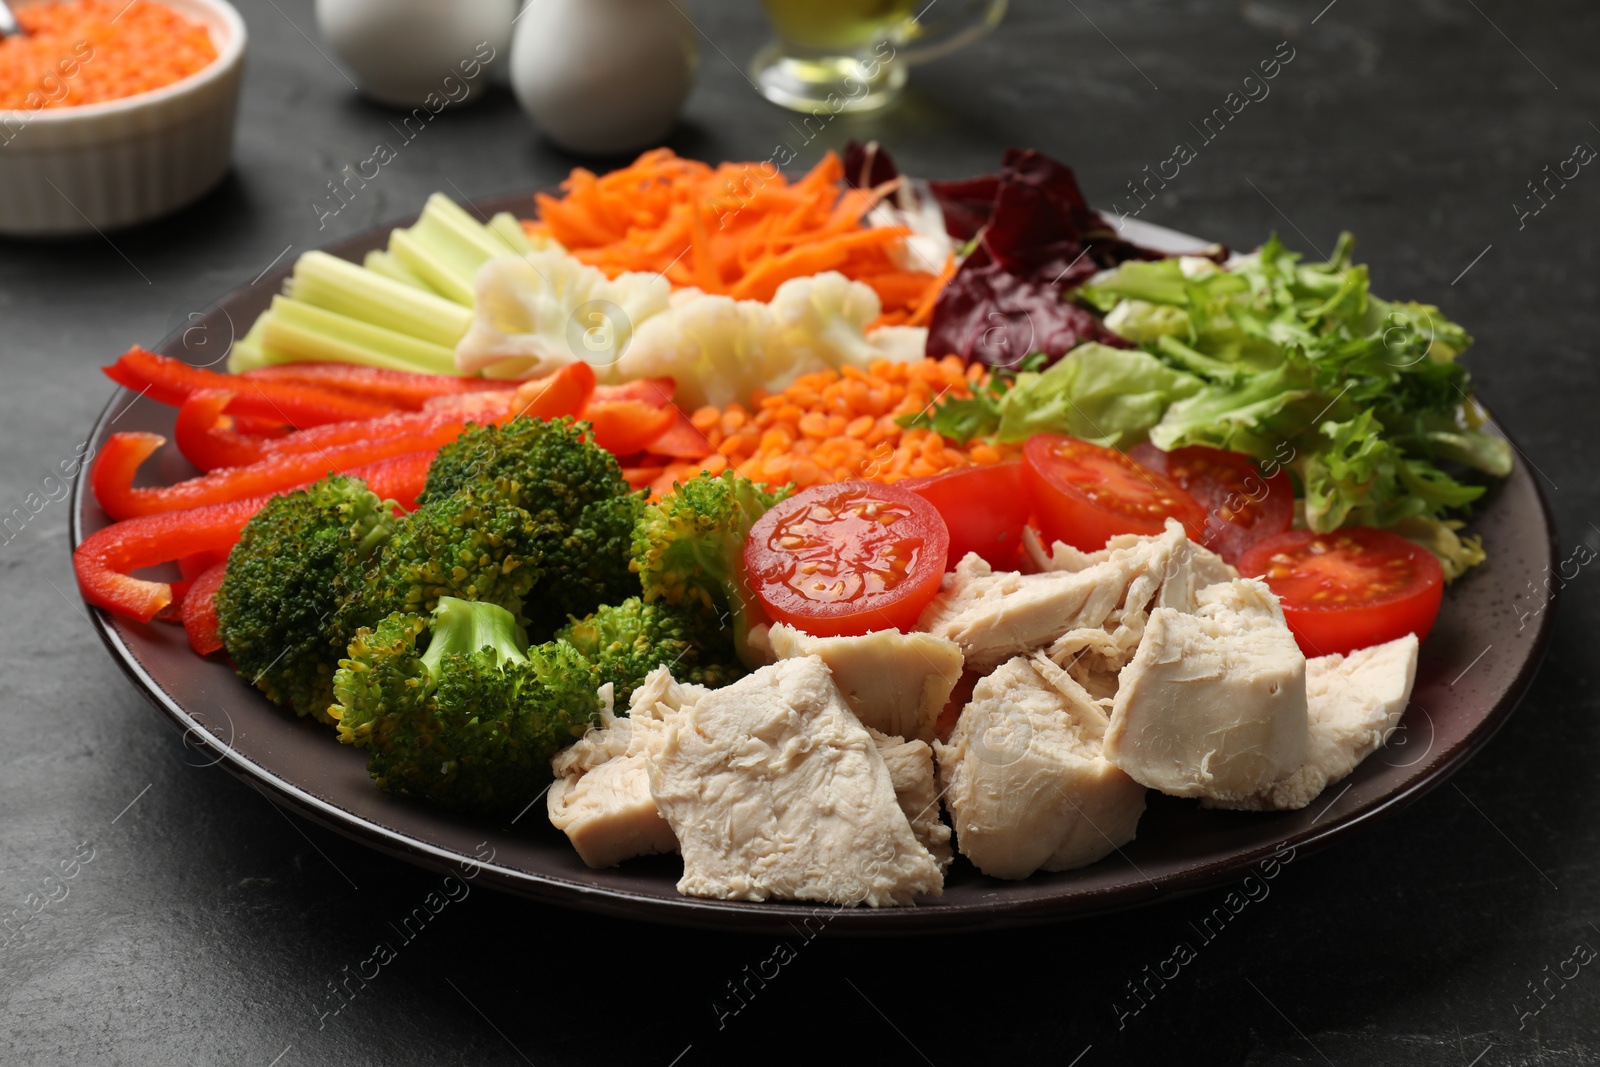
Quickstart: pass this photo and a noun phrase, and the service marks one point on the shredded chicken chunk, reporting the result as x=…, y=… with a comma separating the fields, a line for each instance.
x=1025, y=779
x=1213, y=704
x=1354, y=703
x=895, y=683
x=774, y=789
x=601, y=795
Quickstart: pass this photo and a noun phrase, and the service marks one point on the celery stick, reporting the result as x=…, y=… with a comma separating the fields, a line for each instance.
x=247, y=352
x=303, y=332
x=245, y=356
x=457, y=243
x=508, y=228
x=308, y=346
x=460, y=258
x=432, y=268
x=445, y=247
x=335, y=285
x=452, y=222
x=380, y=262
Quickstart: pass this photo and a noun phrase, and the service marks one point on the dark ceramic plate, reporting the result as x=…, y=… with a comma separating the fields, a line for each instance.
x=1474, y=667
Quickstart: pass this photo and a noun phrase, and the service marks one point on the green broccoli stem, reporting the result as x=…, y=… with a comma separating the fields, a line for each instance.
x=462, y=627
x=746, y=614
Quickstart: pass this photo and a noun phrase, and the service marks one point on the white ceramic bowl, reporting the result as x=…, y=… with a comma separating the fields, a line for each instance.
x=75, y=170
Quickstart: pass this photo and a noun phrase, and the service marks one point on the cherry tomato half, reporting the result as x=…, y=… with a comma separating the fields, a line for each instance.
x=1242, y=505
x=985, y=509
x=1350, y=588
x=847, y=558
x=1085, y=494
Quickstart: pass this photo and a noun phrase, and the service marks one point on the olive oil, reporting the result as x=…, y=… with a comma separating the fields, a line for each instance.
x=837, y=25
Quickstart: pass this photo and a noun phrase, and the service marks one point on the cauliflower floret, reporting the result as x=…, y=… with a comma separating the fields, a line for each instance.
x=527, y=324
x=719, y=349
x=539, y=312
x=714, y=347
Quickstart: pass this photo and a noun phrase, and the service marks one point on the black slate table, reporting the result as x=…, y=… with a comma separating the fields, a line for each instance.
x=203, y=925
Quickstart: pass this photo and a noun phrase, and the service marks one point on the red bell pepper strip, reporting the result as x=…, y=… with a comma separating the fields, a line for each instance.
x=623, y=427
x=474, y=406
x=249, y=424
x=566, y=392
x=104, y=562
x=112, y=475
x=657, y=392
x=107, y=558
x=681, y=440
x=641, y=477
x=429, y=430
x=400, y=479
x=170, y=381
x=173, y=612
x=210, y=446
x=192, y=567
x=304, y=457
x=207, y=440
x=673, y=475
x=200, y=611
x=399, y=388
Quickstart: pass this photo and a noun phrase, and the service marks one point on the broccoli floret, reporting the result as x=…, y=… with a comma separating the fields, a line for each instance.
x=629, y=640
x=284, y=582
x=555, y=471
x=689, y=552
x=471, y=722
x=474, y=545
x=591, y=565
x=471, y=545
x=574, y=493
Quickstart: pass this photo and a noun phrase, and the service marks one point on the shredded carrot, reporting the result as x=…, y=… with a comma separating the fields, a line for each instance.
x=89, y=51
x=740, y=229
x=922, y=313
x=837, y=425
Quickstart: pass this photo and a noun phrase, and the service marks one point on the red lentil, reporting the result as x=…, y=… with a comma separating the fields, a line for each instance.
x=836, y=425
x=89, y=51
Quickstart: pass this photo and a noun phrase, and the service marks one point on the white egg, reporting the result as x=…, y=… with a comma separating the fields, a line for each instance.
x=603, y=76
x=400, y=51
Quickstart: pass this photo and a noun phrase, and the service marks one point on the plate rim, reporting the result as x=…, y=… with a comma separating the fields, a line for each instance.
x=772, y=916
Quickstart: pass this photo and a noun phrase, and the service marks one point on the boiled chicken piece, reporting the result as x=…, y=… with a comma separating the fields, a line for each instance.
x=1354, y=701
x=774, y=789
x=1165, y=571
x=895, y=683
x=1099, y=607
x=1213, y=703
x=995, y=615
x=1088, y=608
x=1024, y=777
x=1208, y=567
x=660, y=695
x=911, y=773
x=601, y=795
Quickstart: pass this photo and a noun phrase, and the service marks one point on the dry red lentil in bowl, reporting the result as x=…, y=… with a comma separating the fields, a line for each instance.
x=77, y=52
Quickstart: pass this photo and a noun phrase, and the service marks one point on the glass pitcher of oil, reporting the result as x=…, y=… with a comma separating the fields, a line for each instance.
x=852, y=55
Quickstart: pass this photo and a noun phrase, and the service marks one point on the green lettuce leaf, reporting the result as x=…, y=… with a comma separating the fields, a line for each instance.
x=1234, y=415
x=1294, y=363
x=1301, y=359
x=1111, y=396
x=1457, y=554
